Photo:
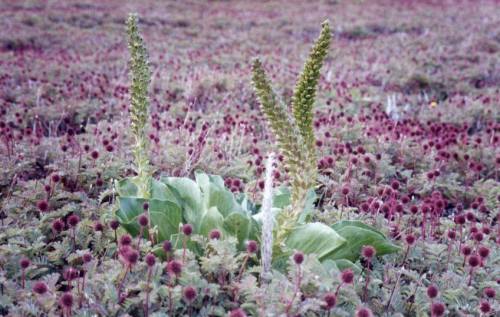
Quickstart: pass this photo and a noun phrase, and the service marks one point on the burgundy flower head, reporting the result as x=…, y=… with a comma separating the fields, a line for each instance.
x=40, y=288
x=187, y=229
x=364, y=312
x=174, y=267
x=347, y=276
x=57, y=225
x=114, y=224
x=410, y=239
x=73, y=220
x=438, y=309
x=432, y=291
x=238, y=312
x=489, y=292
x=66, y=300
x=24, y=263
x=252, y=246
x=214, y=234
x=368, y=252
x=87, y=257
x=298, y=257
x=42, y=205
x=125, y=240
x=167, y=246
x=189, y=293
x=150, y=259
x=143, y=220
x=474, y=260
x=330, y=300
x=485, y=307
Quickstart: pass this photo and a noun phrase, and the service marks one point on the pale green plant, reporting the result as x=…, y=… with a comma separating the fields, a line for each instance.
x=295, y=135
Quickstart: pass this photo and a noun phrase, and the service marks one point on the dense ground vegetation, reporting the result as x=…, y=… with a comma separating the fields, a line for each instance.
x=406, y=133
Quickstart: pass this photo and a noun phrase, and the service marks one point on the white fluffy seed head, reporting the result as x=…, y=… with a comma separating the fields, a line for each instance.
x=267, y=219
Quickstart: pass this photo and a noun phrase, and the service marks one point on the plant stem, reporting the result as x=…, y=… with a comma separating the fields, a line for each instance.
x=365, y=291
x=139, y=237
x=146, y=306
x=23, y=277
x=338, y=288
x=392, y=292
x=184, y=242
x=297, y=289
x=471, y=273
x=245, y=260
x=170, y=302
x=120, y=286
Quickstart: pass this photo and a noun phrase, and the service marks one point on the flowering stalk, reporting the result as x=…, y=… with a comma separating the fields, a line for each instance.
x=139, y=110
x=294, y=134
x=298, y=258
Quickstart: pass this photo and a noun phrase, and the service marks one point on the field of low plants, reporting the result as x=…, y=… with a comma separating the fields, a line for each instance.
x=250, y=158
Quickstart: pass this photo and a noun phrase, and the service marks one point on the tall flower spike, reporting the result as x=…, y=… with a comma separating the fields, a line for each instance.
x=284, y=129
x=267, y=219
x=139, y=99
x=295, y=135
x=305, y=94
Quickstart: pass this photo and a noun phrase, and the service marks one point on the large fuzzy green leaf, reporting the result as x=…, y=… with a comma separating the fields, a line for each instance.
x=340, y=265
x=282, y=197
x=356, y=223
x=311, y=197
x=215, y=194
x=212, y=219
x=126, y=188
x=358, y=234
x=255, y=230
x=239, y=226
x=315, y=238
x=130, y=209
x=178, y=240
x=167, y=216
x=189, y=196
x=204, y=180
x=248, y=206
x=161, y=191
x=223, y=200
